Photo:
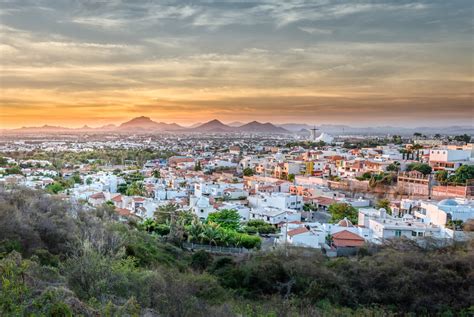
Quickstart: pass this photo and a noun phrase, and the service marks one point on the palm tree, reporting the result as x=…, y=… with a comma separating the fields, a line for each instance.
x=195, y=230
x=156, y=174
x=136, y=189
x=404, y=152
x=210, y=235
x=417, y=148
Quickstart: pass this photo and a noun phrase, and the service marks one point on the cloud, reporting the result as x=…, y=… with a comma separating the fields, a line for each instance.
x=312, y=30
x=241, y=57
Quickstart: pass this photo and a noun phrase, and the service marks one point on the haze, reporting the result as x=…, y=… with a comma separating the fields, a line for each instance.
x=368, y=63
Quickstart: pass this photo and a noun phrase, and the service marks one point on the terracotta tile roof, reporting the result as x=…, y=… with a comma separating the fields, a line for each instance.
x=347, y=239
x=324, y=201
x=124, y=212
x=117, y=198
x=98, y=196
x=297, y=231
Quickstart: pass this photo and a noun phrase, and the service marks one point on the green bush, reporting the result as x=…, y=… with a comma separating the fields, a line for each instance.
x=200, y=260
x=250, y=242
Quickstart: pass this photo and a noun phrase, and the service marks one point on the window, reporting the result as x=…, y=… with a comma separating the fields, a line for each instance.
x=413, y=233
x=398, y=233
x=420, y=234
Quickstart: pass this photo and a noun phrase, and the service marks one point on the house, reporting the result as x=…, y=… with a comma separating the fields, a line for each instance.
x=449, y=159
x=346, y=243
x=277, y=200
x=273, y=215
x=304, y=237
x=126, y=214
x=347, y=239
x=384, y=226
x=97, y=199
x=439, y=213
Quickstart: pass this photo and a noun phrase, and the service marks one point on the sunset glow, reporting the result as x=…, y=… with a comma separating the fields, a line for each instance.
x=370, y=63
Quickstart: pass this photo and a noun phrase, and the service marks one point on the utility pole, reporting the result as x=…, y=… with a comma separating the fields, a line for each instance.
x=286, y=234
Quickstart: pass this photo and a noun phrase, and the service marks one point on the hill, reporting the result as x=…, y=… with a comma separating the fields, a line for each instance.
x=213, y=126
x=258, y=127
x=146, y=124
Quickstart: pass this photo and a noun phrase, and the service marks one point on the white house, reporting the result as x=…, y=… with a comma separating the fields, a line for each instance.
x=274, y=215
x=384, y=226
x=449, y=159
x=276, y=200
x=439, y=213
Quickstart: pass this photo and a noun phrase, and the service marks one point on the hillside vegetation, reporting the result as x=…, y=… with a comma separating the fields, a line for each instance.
x=57, y=259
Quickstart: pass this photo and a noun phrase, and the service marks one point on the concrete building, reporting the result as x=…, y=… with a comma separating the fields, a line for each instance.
x=449, y=159
x=439, y=213
x=281, y=201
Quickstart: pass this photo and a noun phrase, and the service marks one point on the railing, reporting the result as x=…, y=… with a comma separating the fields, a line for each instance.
x=214, y=249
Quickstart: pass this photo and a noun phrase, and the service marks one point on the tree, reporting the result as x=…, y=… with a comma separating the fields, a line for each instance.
x=463, y=138
x=259, y=226
x=441, y=176
x=248, y=171
x=397, y=139
x=200, y=260
x=13, y=170
x=156, y=174
x=194, y=231
x=210, y=234
x=462, y=174
x=417, y=148
x=55, y=188
x=198, y=166
x=136, y=189
x=340, y=211
x=420, y=167
x=76, y=178
x=291, y=177
x=385, y=204
x=226, y=218
x=3, y=162
x=151, y=226
x=393, y=167
x=164, y=213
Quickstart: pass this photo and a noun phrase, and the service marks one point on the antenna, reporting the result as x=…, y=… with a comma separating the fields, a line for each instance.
x=313, y=133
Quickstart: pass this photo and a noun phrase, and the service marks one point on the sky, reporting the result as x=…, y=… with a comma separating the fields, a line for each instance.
x=360, y=63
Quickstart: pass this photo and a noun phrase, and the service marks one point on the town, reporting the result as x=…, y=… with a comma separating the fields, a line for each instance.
x=248, y=191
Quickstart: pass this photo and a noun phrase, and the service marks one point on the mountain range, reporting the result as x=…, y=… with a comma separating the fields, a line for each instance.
x=145, y=124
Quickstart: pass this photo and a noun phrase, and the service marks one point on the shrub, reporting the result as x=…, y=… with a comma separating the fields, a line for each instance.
x=200, y=260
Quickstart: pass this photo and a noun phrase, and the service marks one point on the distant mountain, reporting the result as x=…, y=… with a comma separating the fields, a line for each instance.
x=216, y=126
x=213, y=126
x=107, y=127
x=195, y=125
x=294, y=127
x=235, y=124
x=146, y=124
x=258, y=127
x=46, y=128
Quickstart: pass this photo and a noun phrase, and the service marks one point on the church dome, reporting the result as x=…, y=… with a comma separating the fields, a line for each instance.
x=345, y=223
x=448, y=202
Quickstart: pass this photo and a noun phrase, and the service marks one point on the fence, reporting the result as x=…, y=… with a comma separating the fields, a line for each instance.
x=214, y=249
